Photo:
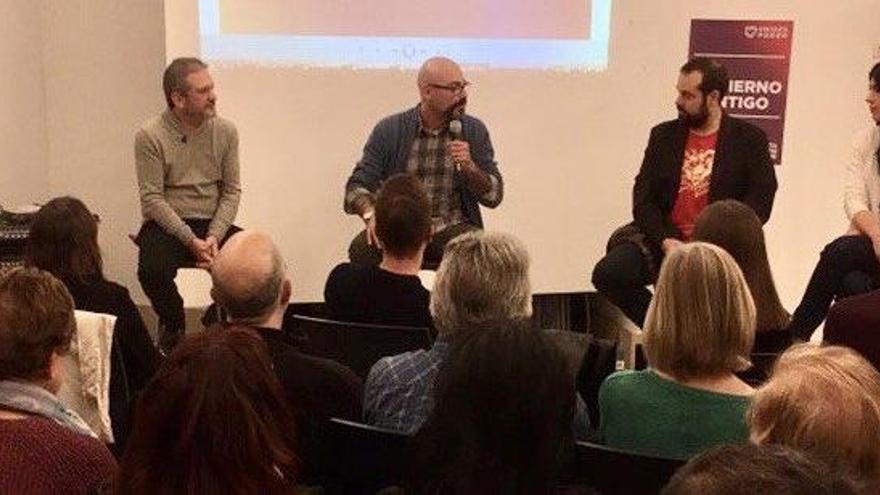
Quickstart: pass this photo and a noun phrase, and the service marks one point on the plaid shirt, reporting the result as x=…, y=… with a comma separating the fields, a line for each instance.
x=429, y=162
x=398, y=393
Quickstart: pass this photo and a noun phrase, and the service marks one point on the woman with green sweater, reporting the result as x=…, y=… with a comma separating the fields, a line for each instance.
x=699, y=331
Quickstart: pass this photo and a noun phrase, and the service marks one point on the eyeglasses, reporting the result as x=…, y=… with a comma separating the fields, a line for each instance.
x=456, y=87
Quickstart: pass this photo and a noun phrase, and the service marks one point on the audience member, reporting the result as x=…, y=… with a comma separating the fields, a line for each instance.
x=483, y=277
x=826, y=401
x=46, y=448
x=504, y=402
x=855, y=322
x=698, y=333
x=252, y=286
x=390, y=293
x=64, y=241
x=213, y=420
x=746, y=469
x=736, y=228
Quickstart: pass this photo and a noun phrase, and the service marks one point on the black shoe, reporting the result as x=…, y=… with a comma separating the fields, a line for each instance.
x=168, y=340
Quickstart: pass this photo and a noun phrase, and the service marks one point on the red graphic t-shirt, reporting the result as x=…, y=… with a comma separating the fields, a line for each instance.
x=696, y=174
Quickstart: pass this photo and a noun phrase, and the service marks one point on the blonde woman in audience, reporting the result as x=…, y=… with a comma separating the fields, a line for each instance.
x=698, y=332
x=826, y=401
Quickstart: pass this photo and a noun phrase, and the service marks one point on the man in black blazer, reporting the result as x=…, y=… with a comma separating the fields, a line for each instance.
x=701, y=157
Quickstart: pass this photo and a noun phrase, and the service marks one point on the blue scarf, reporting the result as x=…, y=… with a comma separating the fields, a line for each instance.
x=30, y=398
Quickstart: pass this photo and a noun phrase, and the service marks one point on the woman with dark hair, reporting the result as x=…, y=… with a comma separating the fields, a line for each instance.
x=849, y=264
x=504, y=402
x=213, y=420
x=734, y=227
x=64, y=241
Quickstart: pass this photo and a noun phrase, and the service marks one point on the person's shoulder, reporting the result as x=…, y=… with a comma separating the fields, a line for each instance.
x=224, y=125
x=867, y=137
x=666, y=128
x=861, y=306
x=113, y=290
x=471, y=120
x=397, y=118
x=624, y=377
x=390, y=367
x=150, y=129
x=152, y=124
x=346, y=274
x=56, y=438
x=745, y=128
x=348, y=268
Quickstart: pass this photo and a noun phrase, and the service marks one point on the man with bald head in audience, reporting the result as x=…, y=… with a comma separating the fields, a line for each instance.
x=450, y=152
x=251, y=285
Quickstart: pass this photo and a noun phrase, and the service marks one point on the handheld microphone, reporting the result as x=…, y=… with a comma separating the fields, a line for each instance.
x=456, y=134
x=455, y=129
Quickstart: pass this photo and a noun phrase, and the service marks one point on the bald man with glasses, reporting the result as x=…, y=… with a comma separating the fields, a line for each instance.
x=450, y=152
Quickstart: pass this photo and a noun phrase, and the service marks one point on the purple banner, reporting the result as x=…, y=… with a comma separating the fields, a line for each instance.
x=756, y=55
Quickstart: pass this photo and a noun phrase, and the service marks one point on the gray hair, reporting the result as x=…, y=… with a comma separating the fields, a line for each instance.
x=483, y=276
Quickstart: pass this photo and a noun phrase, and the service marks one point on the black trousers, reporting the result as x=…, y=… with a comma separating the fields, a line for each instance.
x=622, y=276
x=847, y=266
x=361, y=252
x=159, y=257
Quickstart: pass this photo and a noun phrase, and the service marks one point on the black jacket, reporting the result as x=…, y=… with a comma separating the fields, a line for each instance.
x=742, y=170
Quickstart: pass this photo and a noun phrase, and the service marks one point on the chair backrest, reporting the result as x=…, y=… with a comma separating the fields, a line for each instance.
x=362, y=459
x=86, y=385
x=358, y=345
x=614, y=471
x=599, y=361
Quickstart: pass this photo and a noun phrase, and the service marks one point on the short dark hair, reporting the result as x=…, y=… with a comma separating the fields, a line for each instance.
x=212, y=420
x=504, y=403
x=715, y=76
x=403, y=215
x=174, y=78
x=744, y=469
x=64, y=240
x=874, y=76
x=36, y=319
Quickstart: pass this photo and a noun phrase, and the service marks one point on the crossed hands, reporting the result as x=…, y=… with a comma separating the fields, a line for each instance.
x=204, y=251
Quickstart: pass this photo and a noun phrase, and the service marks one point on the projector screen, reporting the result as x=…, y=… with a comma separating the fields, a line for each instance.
x=497, y=34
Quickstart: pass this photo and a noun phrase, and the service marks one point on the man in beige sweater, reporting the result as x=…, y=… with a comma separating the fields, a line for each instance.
x=188, y=179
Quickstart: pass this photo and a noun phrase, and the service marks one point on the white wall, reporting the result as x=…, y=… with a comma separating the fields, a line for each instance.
x=23, y=166
x=104, y=61
x=568, y=144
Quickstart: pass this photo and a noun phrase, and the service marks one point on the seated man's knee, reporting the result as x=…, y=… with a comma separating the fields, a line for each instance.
x=152, y=271
x=618, y=269
x=842, y=248
x=854, y=283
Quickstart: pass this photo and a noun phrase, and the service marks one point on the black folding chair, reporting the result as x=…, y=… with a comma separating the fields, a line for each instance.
x=361, y=459
x=357, y=345
x=613, y=471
